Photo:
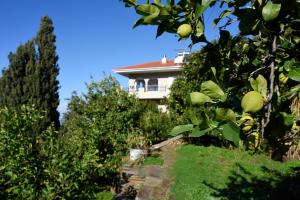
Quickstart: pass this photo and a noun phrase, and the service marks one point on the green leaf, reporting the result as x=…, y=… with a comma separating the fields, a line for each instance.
x=288, y=119
x=198, y=98
x=138, y=22
x=231, y=132
x=288, y=64
x=181, y=128
x=271, y=11
x=170, y=2
x=129, y=3
x=199, y=29
x=212, y=90
x=254, y=84
x=260, y=2
x=194, y=115
x=147, y=9
x=149, y=19
x=259, y=85
x=295, y=74
x=225, y=13
x=225, y=114
x=214, y=71
x=262, y=85
x=200, y=8
x=198, y=133
x=164, y=13
x=157, y=2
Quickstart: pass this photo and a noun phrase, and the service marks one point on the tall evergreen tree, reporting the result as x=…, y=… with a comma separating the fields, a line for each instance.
x=31, y=77
x=14, y=80
x=47, y=70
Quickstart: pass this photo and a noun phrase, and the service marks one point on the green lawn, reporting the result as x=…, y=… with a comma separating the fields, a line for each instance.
x=153, y=160
x=216, y=173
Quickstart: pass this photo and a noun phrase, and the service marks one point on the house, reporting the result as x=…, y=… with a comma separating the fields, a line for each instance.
x=152, y=80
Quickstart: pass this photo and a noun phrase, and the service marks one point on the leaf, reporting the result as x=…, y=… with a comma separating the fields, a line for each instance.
x=212, y=90
x=198, y=133
x=200, y=8
x=262, y=85
x=164, y=13
x=231, y=132
x=138, y=22
x=288, y=64
x=147, y=9
x=199, y=29
x=157, y=2
x=254, y=84
x=198, y=98
x=129, y=3
x=225, y=13
x=170, y=2
x=194, y=115
x=225, y=114
x=260, y=2
x=271, y=11
x=181, y=128
x=295, y=74
x=288, y=119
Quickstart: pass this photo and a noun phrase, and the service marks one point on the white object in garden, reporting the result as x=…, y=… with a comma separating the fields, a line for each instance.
x=135, y=154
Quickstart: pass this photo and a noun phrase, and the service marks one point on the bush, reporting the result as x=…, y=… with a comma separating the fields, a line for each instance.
x=156, y=125
x=44, y=166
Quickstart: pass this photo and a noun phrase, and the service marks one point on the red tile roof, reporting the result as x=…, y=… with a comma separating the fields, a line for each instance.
x=148, y=65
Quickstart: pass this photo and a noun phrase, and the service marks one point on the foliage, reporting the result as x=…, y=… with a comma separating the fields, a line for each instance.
x=156, y=125
x=31, y=77
x=265, y=61
x=47, y=70
x=19, y=168
x=100, y=122
x=49, y=165
x=231, y=174
x=15, y=83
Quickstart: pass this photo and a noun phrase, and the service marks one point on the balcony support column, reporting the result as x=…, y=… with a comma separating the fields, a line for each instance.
x=146, y=84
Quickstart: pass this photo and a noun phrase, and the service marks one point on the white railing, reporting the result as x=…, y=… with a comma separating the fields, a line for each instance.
x=149, y=88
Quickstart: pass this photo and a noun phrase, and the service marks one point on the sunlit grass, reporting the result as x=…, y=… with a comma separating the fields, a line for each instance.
x=216, y=173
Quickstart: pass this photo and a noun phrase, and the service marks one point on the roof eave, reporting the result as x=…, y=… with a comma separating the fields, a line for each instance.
x=148, y=70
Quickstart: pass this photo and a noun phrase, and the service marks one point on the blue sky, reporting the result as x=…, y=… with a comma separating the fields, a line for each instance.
x=93, y=36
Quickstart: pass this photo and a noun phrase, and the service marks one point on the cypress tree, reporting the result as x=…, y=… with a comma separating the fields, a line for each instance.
x=4, y=87
x=31, y=77
x=14, y=80
x=47, y=71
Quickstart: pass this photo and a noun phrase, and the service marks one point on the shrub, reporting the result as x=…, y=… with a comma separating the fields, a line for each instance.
x=156, y=125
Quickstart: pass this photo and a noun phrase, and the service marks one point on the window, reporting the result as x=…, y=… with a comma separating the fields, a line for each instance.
x=140, y=84
x=153, y=85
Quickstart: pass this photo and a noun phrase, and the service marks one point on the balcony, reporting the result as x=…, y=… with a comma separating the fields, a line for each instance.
x=150, y=92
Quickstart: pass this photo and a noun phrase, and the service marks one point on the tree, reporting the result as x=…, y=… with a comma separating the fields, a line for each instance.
x=16, y=81
x=266, y=62
x=31, y=77
x=47, y=70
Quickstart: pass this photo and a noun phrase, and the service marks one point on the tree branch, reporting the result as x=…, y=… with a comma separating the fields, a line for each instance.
x=266, y=121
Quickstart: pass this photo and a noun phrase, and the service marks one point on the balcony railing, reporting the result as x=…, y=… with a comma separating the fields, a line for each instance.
x=149, y=88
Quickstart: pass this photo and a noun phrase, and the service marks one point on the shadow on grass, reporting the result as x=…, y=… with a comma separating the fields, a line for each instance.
x=243, y=184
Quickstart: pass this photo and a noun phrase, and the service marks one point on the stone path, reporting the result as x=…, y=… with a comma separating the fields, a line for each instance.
x=150, y=182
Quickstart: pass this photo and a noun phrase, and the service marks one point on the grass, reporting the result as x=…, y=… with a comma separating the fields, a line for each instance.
x=153, y=160
x=216, y=173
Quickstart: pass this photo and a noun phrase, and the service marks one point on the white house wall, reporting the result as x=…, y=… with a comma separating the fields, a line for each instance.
x=165, y=80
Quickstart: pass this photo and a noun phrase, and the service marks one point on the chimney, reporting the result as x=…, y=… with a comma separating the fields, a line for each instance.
x=164, y=60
